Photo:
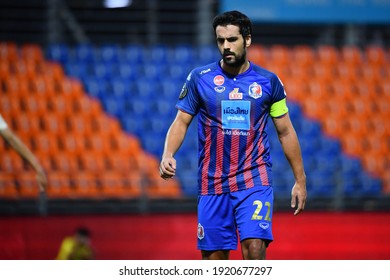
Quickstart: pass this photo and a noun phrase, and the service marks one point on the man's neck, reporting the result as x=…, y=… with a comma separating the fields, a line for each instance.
x=235, y=70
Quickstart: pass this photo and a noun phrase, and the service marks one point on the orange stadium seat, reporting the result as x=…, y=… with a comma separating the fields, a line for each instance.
x=347, y=72
x=258, y=54
x=85, y=185
x=65, y=162
x=59, y=185
x=376, y=163
x=351, y=55
x=53, y=124
x=115, y=185
x=59, y=104
x=334, y=126
x=72, y=144
x=71, y=87
x=33, y=105
x=54, y=70
x=9, y=51
x=303, y=55
x=9, y=106
x=92, y=162
x=11, y=162
x=27, y=183
x=353, y=144
x=45, y=143
x=280, y=54
x=327, y=54
x=4, y=70
x=98, y=143
x=32, y=52
x=79, y=124
x=16, y=84
x=375, y=55
x=8, y=186
x=324, y=72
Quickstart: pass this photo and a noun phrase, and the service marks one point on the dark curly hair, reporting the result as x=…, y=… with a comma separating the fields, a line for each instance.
x=234, y=18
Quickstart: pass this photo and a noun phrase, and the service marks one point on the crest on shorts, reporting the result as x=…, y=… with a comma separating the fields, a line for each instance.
x=264, y=225
x=200, y=231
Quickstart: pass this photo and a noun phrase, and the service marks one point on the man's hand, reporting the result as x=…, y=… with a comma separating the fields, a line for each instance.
x=42, y=180
x=167, y=168
x=298, y=194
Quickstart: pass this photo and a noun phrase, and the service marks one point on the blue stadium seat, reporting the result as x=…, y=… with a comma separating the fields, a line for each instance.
x=137, y=108
x=76, y=69
x=170, y=89
x=207, y=54
x=109, y=53
x=146, y=89
x=183, y=54
x=133, y=54
x=94, y=87
x=295, y=112
x=58, y=52
x=179, y=71
x=83, y=53
x=158, y=54
x=163, y=108
x=370, y=186
x=113, y=106
x=128, y=70
x=349, y=174
x=120, y=88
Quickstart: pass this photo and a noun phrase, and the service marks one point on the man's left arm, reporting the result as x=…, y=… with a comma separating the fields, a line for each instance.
x=291, y=148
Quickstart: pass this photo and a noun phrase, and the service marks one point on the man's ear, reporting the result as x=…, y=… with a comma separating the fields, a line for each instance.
x=248, y=40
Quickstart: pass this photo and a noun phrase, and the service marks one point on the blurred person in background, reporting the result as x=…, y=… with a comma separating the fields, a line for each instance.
x=76, y=247
x=233, y=99
x=14, y=141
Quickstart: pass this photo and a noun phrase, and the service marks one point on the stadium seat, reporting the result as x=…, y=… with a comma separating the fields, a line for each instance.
x=9, y=51
x=375, y=55
x=85, y=185
x=108, y=53
x=134, y=54
x=8, y=186
x=27, y=185
x=351, y=55
x=116, y=185
x=327, y=54
x=258, y=54
x=59, y=185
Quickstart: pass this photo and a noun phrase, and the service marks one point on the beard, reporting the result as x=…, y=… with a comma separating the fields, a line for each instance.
x=236, y=61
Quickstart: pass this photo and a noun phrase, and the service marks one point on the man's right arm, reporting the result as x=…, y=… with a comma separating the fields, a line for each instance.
x=174, y=139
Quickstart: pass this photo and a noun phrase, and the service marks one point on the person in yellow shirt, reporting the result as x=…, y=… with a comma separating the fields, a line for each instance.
x=76, y=247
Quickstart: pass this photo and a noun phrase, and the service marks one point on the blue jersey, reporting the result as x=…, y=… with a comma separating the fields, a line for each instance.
x=234, y=151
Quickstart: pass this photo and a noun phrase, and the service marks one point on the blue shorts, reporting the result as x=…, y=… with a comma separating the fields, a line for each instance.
x=220, y=217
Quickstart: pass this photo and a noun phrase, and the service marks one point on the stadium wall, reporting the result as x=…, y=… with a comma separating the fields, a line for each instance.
x=310, y=236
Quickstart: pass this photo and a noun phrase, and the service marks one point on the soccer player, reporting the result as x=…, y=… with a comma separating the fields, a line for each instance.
x=233, y=99
x=14, y=141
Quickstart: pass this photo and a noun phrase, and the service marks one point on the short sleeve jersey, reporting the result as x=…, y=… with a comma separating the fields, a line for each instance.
x=232, y=111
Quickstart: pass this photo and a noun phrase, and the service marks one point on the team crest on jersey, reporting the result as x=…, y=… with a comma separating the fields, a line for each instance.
x=235, y=94
x=219, y=80
x=200, y=231
x=255, y=90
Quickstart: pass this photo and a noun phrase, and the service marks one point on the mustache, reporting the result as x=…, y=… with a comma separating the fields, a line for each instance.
x=228, y=53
